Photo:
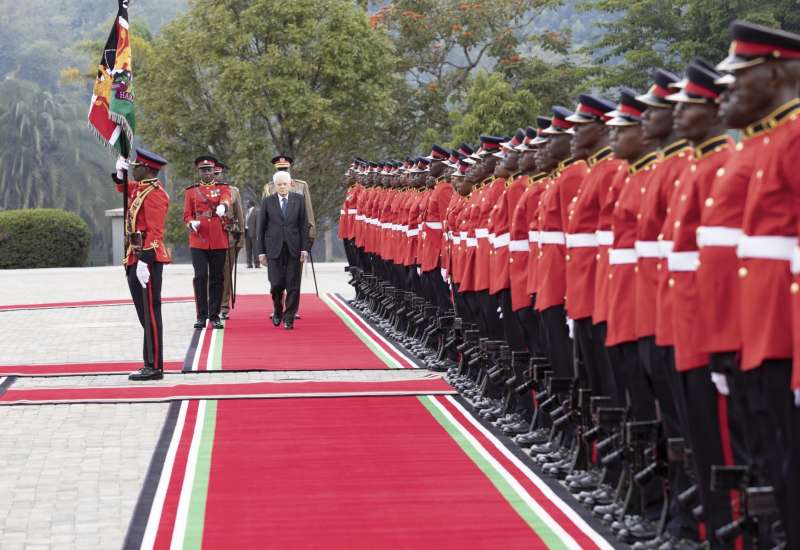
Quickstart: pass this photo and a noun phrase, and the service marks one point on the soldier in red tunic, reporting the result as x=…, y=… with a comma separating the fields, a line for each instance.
x=146, y=253
x=206, y=206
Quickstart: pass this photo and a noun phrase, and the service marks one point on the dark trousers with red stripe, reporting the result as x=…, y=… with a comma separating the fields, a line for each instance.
x=209, y=277
x=148, y=305
x=767, y=389
x=708, y=431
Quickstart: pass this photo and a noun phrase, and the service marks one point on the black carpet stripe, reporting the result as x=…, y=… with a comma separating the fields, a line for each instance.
x=7, y=383
x=189, y=359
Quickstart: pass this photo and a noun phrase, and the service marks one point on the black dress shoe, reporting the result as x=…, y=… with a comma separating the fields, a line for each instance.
x=224, y=316
x=296, y=317
x=146, y=373
x=217, y=324
x=288, y=324
x=276, y=319
x=200, y=323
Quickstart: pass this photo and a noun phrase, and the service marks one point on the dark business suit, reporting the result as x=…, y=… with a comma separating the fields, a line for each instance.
x=281, y=238
x=251, y=236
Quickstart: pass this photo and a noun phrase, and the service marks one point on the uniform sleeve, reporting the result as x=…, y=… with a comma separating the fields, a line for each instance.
x=188, y=207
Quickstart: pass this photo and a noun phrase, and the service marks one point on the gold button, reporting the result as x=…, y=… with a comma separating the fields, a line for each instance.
x=660, y=237
x=636, y=269
x=568, y=257
x=677, y=183
x=574, y=199
x=643, y=189
x=616, y=204
x=541, y=253
x=510, y=260
x=639, y=216
x=671, y=282
x=760, y=174
x=627, y=179
x=610, y=275
x=677, y=224
x=709, y=202
x=720, y=172
x=597, y=257
x=766, y=140
x=795, y=288
x=739, y=146
x=683, y=197
x=658, y=266
x=694, y=168
x=742, y=272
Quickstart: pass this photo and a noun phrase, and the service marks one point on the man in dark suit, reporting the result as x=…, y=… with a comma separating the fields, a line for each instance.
x=283, y=246
x=251, y=234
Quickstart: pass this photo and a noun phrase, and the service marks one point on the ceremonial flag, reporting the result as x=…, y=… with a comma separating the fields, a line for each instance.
x=111, y=114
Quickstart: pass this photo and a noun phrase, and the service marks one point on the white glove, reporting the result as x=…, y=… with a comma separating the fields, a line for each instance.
x=303, y=256
x=797, y=398
x=571, y=327
x=221, y=210
x=194, y=225
x=721, y=382
x=122, y=165
x=142, y=273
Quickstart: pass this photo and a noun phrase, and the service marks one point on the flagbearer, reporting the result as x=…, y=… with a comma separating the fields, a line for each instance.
x=205, y=207
x=146, y=252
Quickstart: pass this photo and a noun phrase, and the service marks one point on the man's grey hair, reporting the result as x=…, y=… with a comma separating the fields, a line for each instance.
x=281, y=177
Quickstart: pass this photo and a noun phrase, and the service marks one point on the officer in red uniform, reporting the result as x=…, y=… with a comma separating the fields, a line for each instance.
x=206, y=206
x=765, y=67
x=146, y=253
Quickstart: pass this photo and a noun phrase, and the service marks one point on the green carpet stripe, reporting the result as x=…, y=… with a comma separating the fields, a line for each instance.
x=193, y=539
x=216, y=361
x=362, y=335
x=526, y=513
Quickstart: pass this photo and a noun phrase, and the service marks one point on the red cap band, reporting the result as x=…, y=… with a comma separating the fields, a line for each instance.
x=696, y=89
x=629, y=110
x=751, y=49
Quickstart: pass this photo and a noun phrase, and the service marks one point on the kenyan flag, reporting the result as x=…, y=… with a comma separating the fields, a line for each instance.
x=111, y=114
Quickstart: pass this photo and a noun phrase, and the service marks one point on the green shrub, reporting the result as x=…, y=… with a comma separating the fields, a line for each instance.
x=43, y=237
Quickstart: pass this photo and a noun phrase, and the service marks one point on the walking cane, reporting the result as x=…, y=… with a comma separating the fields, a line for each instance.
x=314, y=273
x=233, y=290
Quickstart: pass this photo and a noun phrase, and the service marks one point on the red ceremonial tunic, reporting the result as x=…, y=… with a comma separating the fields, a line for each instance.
x=200, y=203
x=519, y=245
x=416, y=217
x=622, y=255
x=449, y=224
x=456, y=223
x=470, y=219
x=769, y=239
x=148, y=204
x=491, y=190
x=552, y=222
x=541, y=182
x=500, y=227
x=433, y=226
x=584, y=211
x=682, y=262
x=608, y=193
x=717, y=237
x=655, y=203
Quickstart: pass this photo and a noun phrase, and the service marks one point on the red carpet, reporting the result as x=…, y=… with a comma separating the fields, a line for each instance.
x=319, y=341
x=134, y=393
x=78, y=369
x=349, y=473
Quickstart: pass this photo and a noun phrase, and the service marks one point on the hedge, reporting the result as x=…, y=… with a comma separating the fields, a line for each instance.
x=43, y=237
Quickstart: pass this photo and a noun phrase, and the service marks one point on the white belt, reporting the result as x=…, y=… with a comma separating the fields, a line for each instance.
x=533, y=236
x=767, y=247
x=683, y=261
x=447, y=236
x=664, y=247
x=618, y=256
x=456, y=240
x=342, y=212
x=472, y=242
x=647, y=249
x=412, y=232
x=352, y=211
x=359, y=217
x=718, y=236
x=796, y=261
x=581, y=240
x=463, y=234
x=481, y=233
x=519, y=246
x=434, y=225
x=551, y=237
x=501, y=241
x=605, y=238
x=372, y=221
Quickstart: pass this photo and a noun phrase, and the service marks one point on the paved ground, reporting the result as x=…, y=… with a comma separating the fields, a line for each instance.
x=70, y=475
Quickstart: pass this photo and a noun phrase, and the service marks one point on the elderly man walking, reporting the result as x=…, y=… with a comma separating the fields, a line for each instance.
x=283, y=246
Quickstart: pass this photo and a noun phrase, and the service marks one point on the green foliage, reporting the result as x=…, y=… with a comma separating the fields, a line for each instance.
x=493, y=106
x=42, y=237
x=647, y=34
x=252, y=78
x=175, y=232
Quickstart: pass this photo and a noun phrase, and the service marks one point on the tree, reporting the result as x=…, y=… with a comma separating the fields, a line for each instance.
x=248, y=79
x=647, y=34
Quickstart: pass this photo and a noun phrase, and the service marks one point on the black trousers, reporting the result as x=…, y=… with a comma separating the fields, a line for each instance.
x=148, y=305
x=767, y=388
x=657, y=362
x=590, y=360
x=511, y=327
x=284, y=279
x=250, y=251
x=633, y=380
x=488, y=305
x=350, y=252
x=558, y=344
x=436, y=290
x=209, y=277
x=531, y=330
